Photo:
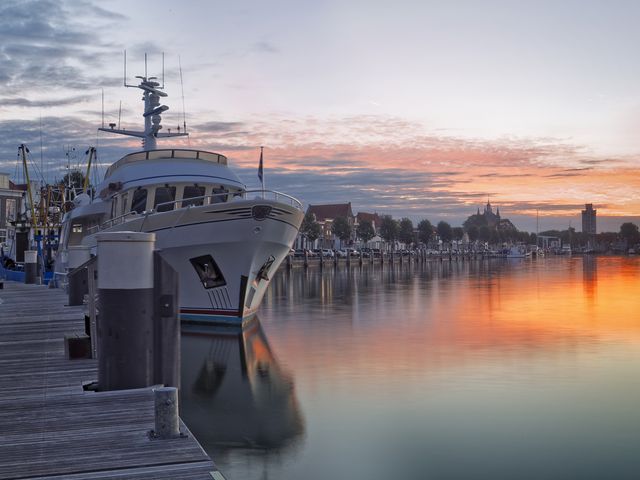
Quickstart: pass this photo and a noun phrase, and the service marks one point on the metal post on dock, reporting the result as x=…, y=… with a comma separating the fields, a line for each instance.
x=125, y=329
x=306, y=259
x=30, y=266
x=77, y=281
x=167, y=421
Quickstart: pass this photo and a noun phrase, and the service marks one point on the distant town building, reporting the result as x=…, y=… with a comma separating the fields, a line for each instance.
x=325, y=215
x=493, y=219
x=374, y=218
x=589, y=219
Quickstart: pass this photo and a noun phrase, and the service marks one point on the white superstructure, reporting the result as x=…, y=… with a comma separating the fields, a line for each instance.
x=224, y=241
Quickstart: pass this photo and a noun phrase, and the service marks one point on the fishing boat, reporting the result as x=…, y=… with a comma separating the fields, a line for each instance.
x=225, y=242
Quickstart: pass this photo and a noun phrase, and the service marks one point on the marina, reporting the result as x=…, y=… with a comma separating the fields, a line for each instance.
x=312, y=240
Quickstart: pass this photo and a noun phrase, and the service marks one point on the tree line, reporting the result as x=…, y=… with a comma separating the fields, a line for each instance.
x=476, y=227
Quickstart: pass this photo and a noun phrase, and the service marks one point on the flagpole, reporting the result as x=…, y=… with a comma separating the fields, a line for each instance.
x=261, y=171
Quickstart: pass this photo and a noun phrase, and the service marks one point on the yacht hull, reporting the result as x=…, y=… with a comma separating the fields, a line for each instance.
x=246, y=245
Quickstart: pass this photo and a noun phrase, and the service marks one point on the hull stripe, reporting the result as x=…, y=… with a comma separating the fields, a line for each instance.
x=214, y=221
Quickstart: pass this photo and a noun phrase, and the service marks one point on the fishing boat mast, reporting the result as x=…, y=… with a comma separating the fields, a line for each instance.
x=23, y=153
x=91, y=153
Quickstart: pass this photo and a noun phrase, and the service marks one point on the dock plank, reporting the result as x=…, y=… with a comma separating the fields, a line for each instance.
x=50, y=428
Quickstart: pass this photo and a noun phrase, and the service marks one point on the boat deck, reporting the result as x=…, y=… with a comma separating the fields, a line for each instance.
x=50, y=428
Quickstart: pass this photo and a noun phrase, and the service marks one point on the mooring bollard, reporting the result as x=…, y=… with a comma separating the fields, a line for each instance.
x=125, y=329
x=167, y=421
x=30, y=266
x=77, y=280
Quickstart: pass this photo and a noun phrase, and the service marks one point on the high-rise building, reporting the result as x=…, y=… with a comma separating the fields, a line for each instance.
x=589, y=219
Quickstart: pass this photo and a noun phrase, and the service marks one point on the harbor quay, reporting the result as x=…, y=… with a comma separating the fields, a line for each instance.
x=65, y=413
x=383, y=258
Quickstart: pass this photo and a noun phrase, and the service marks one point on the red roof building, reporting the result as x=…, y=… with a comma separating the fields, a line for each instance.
x=326, y=214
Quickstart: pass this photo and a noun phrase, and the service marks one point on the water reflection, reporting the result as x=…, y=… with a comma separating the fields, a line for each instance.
x=234, y=393
x=590, y=276
x=484, y=369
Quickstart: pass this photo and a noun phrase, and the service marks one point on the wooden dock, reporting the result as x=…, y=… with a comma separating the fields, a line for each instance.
x=50, y=428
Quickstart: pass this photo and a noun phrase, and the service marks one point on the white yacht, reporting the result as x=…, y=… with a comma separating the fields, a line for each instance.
x=225, y=241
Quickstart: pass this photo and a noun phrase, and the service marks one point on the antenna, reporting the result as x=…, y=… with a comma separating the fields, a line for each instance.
x=103, y=108
x=152, y=92
x=41, y=162
x=184, y=112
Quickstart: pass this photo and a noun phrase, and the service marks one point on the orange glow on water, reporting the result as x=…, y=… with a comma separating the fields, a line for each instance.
x=463, y=314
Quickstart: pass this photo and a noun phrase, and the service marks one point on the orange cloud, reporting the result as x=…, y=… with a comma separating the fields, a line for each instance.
x=522, y=175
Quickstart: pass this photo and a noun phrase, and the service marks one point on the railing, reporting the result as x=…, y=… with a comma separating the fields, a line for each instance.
x=200, y=201
x=111, y=222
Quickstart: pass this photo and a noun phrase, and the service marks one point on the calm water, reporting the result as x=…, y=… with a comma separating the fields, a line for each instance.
x=485, y=370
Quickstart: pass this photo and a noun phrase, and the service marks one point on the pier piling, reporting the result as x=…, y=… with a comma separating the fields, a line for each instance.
x=30, y=266
x=125, y=329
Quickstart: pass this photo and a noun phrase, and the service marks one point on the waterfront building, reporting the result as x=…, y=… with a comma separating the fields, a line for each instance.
x=374, y=218
x=589, y=219
x=376, y=221
x=325, y=215
x=11, y=203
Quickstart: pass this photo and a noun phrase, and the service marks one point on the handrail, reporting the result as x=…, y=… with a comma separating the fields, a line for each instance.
x=110, y=223
x=294, y=202
x=206, y=200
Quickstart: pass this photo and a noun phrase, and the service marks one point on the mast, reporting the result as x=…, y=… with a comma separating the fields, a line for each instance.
x=23, y=152
x=91, y=152
x=152, y=91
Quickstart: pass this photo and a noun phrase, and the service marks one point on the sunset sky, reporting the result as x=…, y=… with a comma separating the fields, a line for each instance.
x=413, y=108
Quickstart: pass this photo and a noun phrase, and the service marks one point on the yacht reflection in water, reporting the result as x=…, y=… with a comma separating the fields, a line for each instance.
x=234, y=393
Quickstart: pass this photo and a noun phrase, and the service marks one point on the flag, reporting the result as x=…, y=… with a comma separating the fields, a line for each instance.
x=260, y=171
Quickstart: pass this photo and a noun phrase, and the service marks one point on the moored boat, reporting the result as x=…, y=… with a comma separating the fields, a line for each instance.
x=225, y=241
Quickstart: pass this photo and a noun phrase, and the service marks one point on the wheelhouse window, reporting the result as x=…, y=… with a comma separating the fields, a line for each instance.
x=123, y=203
x=192, y=191
x=163, y=195
x=217, y=195
x=139, y=202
